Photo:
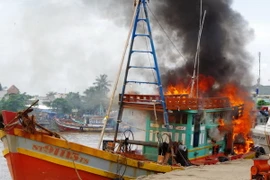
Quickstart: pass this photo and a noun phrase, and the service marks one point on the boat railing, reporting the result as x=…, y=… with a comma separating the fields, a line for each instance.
x=174, y=102
x=132, y=98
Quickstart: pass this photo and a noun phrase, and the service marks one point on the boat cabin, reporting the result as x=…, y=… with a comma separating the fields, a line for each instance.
x=197, y=125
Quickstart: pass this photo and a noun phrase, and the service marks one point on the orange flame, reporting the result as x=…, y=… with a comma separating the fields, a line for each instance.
x=235, y=95
x=178, y=89
x=205, y=84
x=243, y=124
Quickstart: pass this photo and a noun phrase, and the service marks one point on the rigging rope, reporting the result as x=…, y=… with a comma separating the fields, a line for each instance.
x=167, y=34
x=72, y=152
x=118, y=77
x=120, y=164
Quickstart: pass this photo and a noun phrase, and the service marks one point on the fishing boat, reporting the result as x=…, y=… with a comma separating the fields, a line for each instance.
x=95, y=124
x=180, y=130
x=45, y=118
x=260, y=135
x=86, y=123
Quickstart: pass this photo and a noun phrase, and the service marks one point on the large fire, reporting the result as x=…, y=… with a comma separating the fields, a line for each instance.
x=239, y=126
x=205, y=84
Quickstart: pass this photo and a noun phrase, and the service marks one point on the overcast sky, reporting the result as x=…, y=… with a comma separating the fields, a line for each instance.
x=257, y=13
x=62, y=45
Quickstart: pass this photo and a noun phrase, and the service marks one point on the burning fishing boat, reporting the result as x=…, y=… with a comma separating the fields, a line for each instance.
x=206, y=127
x=182, y=127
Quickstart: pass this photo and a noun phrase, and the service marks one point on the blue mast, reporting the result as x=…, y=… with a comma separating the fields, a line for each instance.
x=142, y=8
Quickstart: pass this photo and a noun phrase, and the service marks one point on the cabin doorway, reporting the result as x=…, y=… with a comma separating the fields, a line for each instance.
x=197, y=127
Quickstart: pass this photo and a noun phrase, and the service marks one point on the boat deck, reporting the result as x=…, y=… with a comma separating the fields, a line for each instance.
x=214, y=159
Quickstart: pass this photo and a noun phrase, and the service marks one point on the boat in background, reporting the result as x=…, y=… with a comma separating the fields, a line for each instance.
x=89, y=125
x=261, y=132
x=86, y=123
x=261, y=137
x=45, y=118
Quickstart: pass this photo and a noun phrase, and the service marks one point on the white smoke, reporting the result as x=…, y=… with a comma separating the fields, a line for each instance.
x=215, y=134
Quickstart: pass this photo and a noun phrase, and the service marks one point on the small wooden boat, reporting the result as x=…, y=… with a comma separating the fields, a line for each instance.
x=70, y=125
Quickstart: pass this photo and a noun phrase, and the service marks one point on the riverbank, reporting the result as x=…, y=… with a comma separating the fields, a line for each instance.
x=236, y=170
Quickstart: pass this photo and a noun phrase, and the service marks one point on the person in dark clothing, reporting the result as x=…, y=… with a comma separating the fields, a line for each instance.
x=1, y=122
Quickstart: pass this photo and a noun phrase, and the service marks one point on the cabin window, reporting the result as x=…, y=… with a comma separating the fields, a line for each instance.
x=211, y=117
x=203, y=117
x=202, y=121
x=172, y=118
x=181, y=118
x=177, y=118
x=196, y=118
x=184, y=119
x=216, y=117
x=227, y=116
x=219, y=115
x=156, y=117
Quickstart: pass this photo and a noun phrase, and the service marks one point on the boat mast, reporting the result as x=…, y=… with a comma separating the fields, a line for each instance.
x=195, y=75
x=198, y=68
x=141, y=7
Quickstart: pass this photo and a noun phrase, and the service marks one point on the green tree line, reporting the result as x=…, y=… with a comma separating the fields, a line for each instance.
x=14, y=102
x=94, y=99
x=261, y=103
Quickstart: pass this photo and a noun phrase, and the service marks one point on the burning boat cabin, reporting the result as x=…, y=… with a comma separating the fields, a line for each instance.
x=199, y=125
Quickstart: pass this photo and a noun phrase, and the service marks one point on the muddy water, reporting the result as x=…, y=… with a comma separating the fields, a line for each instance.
x=4, y=173
x=88, y=139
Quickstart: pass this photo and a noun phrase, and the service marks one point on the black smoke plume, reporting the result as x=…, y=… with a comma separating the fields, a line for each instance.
x=225, y=34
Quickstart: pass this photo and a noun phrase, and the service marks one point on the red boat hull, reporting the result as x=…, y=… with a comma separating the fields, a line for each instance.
x=17, y=164
x=65, y=129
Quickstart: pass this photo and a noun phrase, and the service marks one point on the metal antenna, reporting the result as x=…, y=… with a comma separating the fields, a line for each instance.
x=259, y=68
x=258, y=83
